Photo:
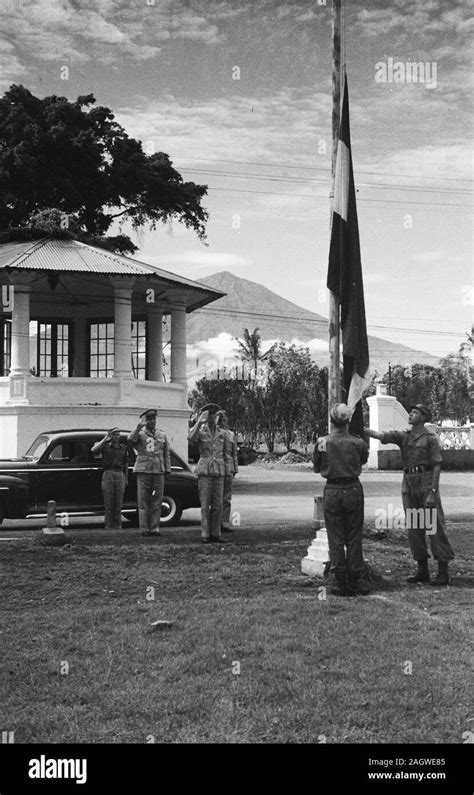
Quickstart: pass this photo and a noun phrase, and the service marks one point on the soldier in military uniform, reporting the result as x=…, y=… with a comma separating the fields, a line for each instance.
x=214, y=463
x=115, y=458
x=223, y=422
x=153, y=462
x=339, y=457
x=421, y=460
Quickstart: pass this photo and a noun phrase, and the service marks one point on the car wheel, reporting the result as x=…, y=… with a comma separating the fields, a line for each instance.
x=171, y=511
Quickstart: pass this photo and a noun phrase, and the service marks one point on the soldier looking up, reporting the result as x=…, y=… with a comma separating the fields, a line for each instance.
x=421, y=460
x=339, y=457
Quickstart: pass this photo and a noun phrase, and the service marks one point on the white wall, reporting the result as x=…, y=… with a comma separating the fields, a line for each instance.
x=20, y=425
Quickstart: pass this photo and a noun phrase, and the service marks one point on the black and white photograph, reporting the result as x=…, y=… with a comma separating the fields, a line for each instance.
x=236, y=389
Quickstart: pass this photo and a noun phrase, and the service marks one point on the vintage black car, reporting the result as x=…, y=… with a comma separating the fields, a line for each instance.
x=60, y=466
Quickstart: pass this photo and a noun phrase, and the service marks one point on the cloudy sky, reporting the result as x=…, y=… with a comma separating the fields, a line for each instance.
x=239, y=95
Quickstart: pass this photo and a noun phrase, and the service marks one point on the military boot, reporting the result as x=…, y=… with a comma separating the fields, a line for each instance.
x=356, y=585
x=338, y=586
x=442, y=577
x=422, y=574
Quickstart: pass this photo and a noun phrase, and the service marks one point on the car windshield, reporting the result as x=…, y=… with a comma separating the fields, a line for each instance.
x=37, y=448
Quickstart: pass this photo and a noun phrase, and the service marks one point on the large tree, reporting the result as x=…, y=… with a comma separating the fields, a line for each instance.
x=75, y=157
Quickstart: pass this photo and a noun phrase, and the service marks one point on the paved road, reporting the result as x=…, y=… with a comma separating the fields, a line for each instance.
x=262, y=496
x=265, y=497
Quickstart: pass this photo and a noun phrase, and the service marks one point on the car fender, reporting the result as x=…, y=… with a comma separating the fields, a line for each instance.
x=184, y=488
x=13, y=497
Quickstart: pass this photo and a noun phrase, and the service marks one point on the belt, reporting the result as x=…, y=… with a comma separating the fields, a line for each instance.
x=106, y=469
x=417, y=470
x=342, y=481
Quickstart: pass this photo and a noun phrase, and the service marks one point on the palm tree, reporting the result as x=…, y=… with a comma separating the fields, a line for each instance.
x=251, y=349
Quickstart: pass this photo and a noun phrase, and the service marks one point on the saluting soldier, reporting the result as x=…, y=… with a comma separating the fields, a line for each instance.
x=214, y=463
x=223, y=422
x=339, y=457
x=421, y=460
x=115, y=458
x=152, y=464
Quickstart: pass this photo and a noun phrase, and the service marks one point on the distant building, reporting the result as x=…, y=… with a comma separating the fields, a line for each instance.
x=81, y=341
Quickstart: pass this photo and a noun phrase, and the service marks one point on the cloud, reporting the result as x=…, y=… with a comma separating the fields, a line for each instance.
x=211, y=354
x=218, y=260
x=11, y=70
x=434, y=161
x=105, y=32
x=253, y=127
x=260, y=128
x=316, y=346
x=399, y=19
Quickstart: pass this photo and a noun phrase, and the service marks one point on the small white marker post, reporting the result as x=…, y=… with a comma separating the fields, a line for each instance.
x=52, y=535
x=318, y=553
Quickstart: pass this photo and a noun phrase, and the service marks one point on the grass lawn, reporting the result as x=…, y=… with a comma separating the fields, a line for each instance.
x=254, y=654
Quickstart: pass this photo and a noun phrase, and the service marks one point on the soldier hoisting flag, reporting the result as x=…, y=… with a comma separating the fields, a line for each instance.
x=345, y=273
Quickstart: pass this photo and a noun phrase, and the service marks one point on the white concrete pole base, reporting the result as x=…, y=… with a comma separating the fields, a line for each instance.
x=315, y=561
x=53, y=536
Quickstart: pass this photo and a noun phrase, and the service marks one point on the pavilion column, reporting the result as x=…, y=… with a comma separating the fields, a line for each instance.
x=178, y=345
x=155, y=343
x=20, y=361
x=20, y=345
x=123, y=327
x=80, y=358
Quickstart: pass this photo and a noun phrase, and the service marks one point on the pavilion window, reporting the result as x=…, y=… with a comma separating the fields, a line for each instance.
x=139, y=349
x=101, y=349
x=53, y=349
x=5, y=347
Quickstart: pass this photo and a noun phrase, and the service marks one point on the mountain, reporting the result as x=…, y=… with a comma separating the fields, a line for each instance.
x=251, y=305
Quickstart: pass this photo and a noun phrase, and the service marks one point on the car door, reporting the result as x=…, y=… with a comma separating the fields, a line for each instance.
x=130, y=494
x=65, y=474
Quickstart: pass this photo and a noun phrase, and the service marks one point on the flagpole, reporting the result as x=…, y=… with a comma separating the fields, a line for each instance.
x=334, y=378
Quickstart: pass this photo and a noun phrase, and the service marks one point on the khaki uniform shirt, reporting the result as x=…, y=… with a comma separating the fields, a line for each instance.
x=422, y=450
x=153, y=451
x=115, y=456
x=234, y=450
x=215, y=452
x=339, y=455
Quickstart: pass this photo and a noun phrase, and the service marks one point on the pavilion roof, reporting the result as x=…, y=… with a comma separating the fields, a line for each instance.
x=71, y=256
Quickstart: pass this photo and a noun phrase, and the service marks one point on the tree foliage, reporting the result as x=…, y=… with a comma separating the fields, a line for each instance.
x=288, y=401
x=75, y=157
x=445, y=389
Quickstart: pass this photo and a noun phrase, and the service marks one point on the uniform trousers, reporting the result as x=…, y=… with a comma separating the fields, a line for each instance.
x=344, y=518
x=227, y=500
x=150, y=489
x=113, y=487
x=415, y=489
x=211, y=493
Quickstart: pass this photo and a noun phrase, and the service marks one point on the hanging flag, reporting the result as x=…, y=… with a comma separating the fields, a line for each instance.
x=345, y=273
